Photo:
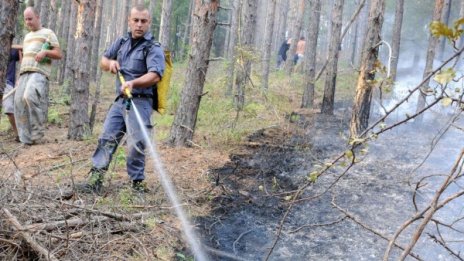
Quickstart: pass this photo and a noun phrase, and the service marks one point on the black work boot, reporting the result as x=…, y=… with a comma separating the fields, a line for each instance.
x=140, y=186
x=95, y=182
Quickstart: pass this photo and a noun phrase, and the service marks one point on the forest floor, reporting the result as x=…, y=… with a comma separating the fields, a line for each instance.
x=35, y=184
x=236, y=193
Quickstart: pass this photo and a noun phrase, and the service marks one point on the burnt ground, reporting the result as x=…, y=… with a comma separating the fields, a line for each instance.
x=377, y=192
x=238, y=200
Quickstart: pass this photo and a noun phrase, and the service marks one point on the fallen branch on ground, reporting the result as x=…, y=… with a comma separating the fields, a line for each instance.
x=24, y=235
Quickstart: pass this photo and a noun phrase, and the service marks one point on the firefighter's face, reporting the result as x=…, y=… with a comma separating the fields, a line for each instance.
x=139, y=22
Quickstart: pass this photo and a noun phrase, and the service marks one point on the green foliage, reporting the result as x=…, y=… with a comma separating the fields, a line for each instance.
x=183, y=257
x=163, y=125
x=438, y=29
x=313, y=176
x=252, y=109
x=54, y=116
x=446, y=101
x=125, y=197
x=445, y=76
x=120, y=157
x=217, y=121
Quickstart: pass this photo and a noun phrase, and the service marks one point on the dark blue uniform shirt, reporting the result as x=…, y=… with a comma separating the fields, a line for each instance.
x=11, y=69
x=144, y=56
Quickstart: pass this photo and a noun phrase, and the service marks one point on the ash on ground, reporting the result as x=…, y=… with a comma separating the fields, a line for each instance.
x=379, y=192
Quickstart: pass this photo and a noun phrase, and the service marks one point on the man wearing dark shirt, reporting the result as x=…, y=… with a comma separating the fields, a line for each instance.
x=141, y=63
x=282, y=54
x=8, y=102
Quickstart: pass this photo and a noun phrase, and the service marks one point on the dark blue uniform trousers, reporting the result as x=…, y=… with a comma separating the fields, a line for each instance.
x=120, y=122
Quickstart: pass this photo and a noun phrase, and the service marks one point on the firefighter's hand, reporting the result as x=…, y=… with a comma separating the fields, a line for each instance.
x=113, y=66
x=126, y=88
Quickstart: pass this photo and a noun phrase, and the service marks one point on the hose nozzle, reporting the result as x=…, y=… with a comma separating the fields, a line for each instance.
x=126, y=91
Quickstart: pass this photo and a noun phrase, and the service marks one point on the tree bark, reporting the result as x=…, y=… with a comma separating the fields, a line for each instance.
x=53, y=11
x=96, y=41
x=164, y=34
x=63, y=29
x=295, y=34
x=396, y=39
x=280, y=24
x=334, y=51
x=362, y=30
x=235, y=19
x=70, y=47
x=311, y=54
x=268, y=42
x=44, y=12
x=354, y=40
x=79, y=117
x=461, y=14
x=261, y=22
x=246, y=43
x=433, y=42
x=445, y=19
x=204, y=23
x=188, y=25
x=9, y=12
x=362, y=100
x=37, y=4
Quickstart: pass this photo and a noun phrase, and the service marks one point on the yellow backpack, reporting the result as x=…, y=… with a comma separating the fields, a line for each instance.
x=160, y=96
x=160, y=99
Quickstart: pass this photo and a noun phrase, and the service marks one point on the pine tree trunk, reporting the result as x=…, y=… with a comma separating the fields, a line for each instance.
x=113, y=32
x=65, y=13
x=362, y=30
x=261, y=21
x=188, y=25
x=52, y=24
x=268, y=42
x=37, y=4
x=445, y=19
x=204, y=23
x=232, y=43
x=334, y=51
x=295, y=33
x=396, y=39
x=354, y=40
x=164, y=34
x=362, y=100
x=127, y=9
x=79, y=117
x=9, y=12
x=151, y=9
x=44, y=12
x=103, y=41
x=246, y=43
x=311, y=54
x=433, y=42
x=281, y=23
x=95, y=55
x=63, y=33
x=461, y=39
x=70, y=47
x=461, y=14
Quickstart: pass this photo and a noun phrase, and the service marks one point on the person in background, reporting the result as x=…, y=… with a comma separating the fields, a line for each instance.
x=8, y=101
x=282, y=54
x=40, y=45
x=141, y=62
x=300, y=48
